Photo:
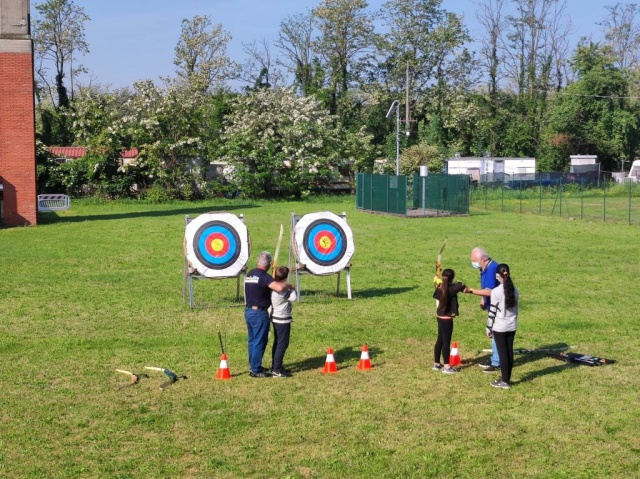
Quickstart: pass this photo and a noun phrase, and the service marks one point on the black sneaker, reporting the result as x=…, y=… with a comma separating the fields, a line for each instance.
x=499, y=383
x=491, y=369
x=261, y=374
x=281, y=374
x=484, y=365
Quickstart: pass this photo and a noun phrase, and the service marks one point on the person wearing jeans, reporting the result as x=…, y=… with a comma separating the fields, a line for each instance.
x=258, y=285
x=481, y=260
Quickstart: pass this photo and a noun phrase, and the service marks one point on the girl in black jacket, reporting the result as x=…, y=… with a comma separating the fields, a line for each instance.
x=447, y=309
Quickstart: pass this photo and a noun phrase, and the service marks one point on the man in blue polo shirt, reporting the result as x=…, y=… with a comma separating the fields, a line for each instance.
x=258, y=285
x=481, y=260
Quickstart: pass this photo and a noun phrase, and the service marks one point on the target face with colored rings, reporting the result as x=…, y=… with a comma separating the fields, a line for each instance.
x=324, y=242
x=217, y=245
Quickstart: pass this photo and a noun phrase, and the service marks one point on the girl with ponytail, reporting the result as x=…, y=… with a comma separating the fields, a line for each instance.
x=447, y=300
x=503, y=322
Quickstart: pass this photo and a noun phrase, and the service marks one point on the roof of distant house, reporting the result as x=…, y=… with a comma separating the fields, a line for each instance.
x=72, y=152
x=68, y=151
x=132, y=153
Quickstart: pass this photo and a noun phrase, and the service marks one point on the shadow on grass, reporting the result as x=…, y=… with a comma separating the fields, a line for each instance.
x=343, y=356
x=379, y=292
x=543, y=372
x=326, y=294
x=52, y=217
x=522, y=355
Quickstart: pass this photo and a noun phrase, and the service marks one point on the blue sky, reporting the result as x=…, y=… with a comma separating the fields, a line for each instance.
x=135, y=39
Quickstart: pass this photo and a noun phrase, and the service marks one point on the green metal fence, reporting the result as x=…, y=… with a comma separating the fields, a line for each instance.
x=441, y=193
x=430, y=195
x=607, y=201
x=384, y=193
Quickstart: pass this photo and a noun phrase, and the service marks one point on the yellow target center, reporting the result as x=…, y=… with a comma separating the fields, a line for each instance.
x=325, y=242
x=217, y=245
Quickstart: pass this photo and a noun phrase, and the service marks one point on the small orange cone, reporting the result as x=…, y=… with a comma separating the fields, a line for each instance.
x=223, y=370
x=330, y=364
x=365, y=361
x=454, y=357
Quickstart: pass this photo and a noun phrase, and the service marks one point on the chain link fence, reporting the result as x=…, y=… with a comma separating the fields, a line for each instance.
x=600, y=199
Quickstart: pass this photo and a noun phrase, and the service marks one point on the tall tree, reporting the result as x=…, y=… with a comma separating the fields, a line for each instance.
x=260, y=69
x=345, y=31
x=424, y=53
x=622, y=32
x=201, y=54
x=491, y=18
x=590, y=116
x=295, y=42
x=529, y=50
x=58, y=34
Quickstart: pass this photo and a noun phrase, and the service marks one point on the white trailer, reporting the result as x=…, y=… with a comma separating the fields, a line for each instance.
x=634, y=172
x=472, y=165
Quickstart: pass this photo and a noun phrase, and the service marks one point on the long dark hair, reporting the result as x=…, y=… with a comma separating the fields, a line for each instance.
x=509, y=288
x=447, y=280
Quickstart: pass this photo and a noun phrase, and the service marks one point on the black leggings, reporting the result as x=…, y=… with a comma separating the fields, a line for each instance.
x=504, y=344
x=443, y=343
x=281, y=334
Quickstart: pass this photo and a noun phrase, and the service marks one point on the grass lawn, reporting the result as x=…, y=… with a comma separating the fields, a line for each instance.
x=99, y=287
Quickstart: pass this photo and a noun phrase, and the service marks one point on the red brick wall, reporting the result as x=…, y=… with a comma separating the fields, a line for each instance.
x=17, y=139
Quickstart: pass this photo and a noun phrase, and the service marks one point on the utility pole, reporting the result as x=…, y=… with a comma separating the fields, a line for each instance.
x=407, y=115
x=396, y=106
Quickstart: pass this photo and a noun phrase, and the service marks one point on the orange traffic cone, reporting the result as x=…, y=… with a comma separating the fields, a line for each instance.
x=330, y=363
x=454, y=357
x=223, y=370
x=365, y=361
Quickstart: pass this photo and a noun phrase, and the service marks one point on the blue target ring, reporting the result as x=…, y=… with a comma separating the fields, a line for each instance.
x=217, y=245
x=325, y=242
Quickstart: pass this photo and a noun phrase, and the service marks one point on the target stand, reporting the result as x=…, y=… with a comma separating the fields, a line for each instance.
x=322, y=245
x=216, y=246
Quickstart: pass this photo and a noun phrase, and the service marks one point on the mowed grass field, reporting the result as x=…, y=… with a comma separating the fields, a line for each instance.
x=99, y=287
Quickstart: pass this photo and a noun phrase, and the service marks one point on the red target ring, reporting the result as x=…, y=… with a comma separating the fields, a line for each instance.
x=217, y=245
x=325, y=242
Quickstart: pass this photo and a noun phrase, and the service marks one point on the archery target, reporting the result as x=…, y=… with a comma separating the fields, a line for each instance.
x=324, y=242
x=217, y=245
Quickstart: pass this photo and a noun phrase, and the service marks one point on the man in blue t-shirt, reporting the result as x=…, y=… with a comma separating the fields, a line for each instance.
x=258, y=285
x=481, y=260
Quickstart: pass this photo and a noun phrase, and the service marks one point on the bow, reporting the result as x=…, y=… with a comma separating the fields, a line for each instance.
x=135, y=377
x=173, y=377
x=437, y=279
x=220, y=338
x=275, y=256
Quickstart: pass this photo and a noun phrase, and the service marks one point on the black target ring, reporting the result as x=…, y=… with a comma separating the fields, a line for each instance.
x=216, y=245
x=325, y=242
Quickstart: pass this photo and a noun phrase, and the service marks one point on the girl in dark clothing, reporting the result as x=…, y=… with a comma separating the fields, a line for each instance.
x=447, y=309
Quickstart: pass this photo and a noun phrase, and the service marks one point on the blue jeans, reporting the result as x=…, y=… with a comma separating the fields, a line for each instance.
x=495, y=357
x=257, y=336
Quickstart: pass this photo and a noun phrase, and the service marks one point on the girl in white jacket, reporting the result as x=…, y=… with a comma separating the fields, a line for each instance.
x=503, y=322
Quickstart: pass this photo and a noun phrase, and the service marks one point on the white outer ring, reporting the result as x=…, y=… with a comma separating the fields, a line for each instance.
x=303, y=258
x=234, y=222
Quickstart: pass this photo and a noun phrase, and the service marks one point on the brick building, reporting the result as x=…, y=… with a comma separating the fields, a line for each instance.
x=17, y=116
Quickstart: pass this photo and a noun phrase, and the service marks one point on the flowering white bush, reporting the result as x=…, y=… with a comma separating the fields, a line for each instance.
x=281, y=142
